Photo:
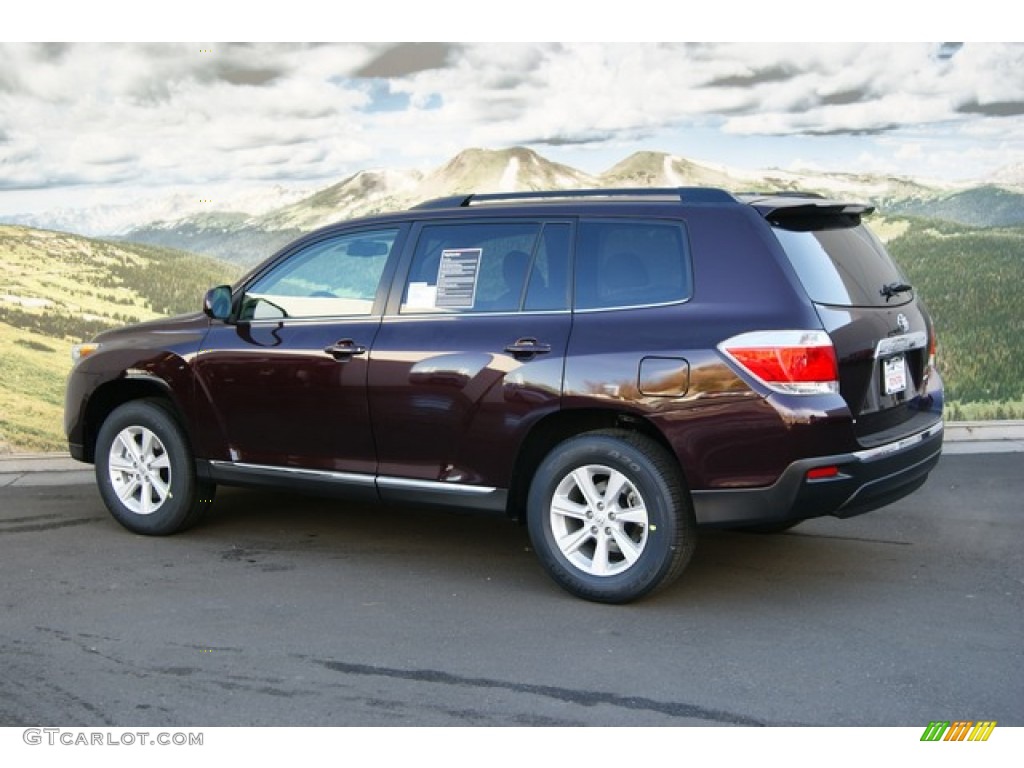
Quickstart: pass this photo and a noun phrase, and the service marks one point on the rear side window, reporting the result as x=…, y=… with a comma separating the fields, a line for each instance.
x=845, y=266
x=631, y=263
x=489, y=267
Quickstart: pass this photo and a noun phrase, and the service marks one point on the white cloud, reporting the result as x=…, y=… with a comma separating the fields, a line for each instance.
x=175, y=113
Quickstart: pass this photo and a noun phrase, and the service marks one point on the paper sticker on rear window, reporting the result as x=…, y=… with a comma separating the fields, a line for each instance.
x=421, y=296
x=457, y=276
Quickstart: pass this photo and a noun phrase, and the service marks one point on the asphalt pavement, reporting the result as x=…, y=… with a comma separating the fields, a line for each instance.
x=289, y=610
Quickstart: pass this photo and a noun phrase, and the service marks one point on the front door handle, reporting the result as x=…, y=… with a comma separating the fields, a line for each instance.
x=343, y=350
x=524, y=349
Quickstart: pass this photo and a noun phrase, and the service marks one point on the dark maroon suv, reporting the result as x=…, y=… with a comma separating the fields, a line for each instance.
x=614, y=367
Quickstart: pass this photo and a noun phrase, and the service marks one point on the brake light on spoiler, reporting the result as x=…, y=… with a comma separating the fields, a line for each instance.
x=792, y=362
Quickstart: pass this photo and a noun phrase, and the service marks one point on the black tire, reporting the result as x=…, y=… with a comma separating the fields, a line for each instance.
x=647, y=478
x=152, y=488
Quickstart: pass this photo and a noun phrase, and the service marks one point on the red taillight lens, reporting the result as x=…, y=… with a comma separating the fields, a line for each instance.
x=933, y=351
x=822, y=473
x=796, y=362
x=779, y=365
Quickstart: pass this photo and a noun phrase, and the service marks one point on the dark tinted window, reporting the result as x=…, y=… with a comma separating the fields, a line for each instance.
x=549, y=276
x=843, y=266
x=631, y=263
x=488, y=267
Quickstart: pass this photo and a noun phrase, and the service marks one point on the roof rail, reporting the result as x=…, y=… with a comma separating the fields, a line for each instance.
x=759, y=195
x=684, y=194
x=455, y=201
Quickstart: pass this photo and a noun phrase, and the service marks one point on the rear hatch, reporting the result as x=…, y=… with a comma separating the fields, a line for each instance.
x=881, y=332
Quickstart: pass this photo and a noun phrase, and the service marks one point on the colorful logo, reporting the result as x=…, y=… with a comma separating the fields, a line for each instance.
x=960, y=730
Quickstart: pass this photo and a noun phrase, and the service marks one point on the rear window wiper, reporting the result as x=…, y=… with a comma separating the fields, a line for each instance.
x=891, y=289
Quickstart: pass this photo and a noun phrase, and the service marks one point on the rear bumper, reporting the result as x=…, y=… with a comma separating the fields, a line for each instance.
x=866, y=480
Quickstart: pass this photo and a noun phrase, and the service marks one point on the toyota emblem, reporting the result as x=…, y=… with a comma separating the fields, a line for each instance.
x=902, y=323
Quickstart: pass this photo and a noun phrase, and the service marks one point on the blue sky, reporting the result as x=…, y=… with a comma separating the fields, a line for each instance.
x=89, y=123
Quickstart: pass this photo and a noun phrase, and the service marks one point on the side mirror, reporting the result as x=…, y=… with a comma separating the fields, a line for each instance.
x=217, y=302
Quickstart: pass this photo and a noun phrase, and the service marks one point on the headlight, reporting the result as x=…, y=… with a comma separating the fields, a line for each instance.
x=81, y=351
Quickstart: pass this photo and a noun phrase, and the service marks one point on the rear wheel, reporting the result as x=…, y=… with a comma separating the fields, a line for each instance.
x=146, y=473
x=609, y=517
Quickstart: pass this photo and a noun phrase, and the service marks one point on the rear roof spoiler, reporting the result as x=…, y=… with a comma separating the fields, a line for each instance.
x=785, y=205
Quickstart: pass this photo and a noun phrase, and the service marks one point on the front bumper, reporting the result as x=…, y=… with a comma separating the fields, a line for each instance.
x=866, y=480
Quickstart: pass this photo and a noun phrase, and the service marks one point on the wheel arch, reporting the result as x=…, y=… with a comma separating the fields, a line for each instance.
x=562, y=425
x=116, y=393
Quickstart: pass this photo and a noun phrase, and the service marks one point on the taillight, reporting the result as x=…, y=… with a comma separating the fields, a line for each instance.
x=933, y=352
x=933, y=344
x=794, y=362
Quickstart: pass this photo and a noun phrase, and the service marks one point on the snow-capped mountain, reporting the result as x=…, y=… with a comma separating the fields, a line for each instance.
x=248, y=226
x=110, y=219
x=361, y=194
x=658, y=169
x=246, y=239
x=509, y=170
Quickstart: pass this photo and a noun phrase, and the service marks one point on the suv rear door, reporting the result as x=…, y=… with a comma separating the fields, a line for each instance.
x=470, y=353
x=631, y=274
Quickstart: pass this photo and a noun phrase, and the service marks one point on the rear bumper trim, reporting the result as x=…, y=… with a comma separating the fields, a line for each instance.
x=871, y=454
x=867, y=480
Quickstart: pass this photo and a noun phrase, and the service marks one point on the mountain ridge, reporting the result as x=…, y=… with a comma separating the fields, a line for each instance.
x=247, y=237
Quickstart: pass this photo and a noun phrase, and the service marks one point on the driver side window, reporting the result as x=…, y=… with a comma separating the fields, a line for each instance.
x=338, y=276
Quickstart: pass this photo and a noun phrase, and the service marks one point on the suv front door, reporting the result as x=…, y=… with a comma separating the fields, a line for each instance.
x=286, y=379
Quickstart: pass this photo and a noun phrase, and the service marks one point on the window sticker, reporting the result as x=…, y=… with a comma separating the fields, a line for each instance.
x=421, y=296
x=457, y=277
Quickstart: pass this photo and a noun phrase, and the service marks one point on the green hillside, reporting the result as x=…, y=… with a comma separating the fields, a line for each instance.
x=987, y=206
x=971, y=281
x=57, y=289
x=226, y=237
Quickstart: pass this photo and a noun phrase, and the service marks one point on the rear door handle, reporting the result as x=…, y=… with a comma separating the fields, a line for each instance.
x=344, y=349
x=524, y=349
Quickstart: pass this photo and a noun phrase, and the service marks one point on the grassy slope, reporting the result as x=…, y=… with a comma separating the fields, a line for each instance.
x=31, y=389
x=971, y=280
x=57, y=289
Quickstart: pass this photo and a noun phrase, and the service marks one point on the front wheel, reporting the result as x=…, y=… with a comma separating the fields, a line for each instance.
x=145, y=471
x=609, y=517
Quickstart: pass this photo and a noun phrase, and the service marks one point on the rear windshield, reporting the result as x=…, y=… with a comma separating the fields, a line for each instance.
x=843, y=266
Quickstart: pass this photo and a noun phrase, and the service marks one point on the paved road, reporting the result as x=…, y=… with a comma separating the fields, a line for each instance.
x=295, y=611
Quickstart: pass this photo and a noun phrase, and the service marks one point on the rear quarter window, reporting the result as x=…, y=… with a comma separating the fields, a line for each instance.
x=844, y=266
x=631, y=263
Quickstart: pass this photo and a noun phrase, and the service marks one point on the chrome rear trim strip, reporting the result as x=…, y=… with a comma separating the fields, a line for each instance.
x=895, y=344
x=900, y=445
